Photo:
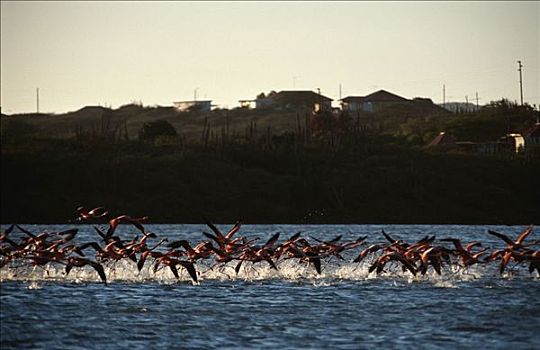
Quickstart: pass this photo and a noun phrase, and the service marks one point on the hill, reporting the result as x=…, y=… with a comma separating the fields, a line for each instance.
x=414, y=123
x=264, y=166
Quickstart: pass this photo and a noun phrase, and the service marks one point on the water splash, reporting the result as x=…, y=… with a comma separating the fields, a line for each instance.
x=34, y=285
x=126, y=271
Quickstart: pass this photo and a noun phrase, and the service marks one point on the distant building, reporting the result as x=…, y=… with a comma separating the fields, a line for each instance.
x=513, y=142
x=371, y=103
x=298, y=99
x=189, y=106
x=258, y=103
x=263, y=102
x=387, y=102
x=291, y=100
x=509, y=143
x=443, y=139
x=247, y=103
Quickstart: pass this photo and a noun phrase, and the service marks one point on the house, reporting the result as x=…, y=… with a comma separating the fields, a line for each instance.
x=447, y=141
x=260, y=102
x=247, y=103
x=509, y=143
x=371, y=103
x=188, y=106
x=263, y=102
x=443, y=139
x=513, y=142
x=298, y=99
x=387, y=102
x=291, y=100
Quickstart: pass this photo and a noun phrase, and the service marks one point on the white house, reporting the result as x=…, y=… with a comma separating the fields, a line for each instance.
x=199, y=106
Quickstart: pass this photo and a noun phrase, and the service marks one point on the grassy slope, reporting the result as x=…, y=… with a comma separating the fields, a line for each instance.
x=46, y=174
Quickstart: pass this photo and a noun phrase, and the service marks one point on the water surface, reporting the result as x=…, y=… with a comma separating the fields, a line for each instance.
x=344, y=308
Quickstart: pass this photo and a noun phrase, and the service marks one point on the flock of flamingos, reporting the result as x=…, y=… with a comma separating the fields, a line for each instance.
x=223, y=248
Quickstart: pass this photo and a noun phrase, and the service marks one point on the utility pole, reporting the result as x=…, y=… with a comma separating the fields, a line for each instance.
x=37, y=100
x=320, y=99
x=466, y=104
x=477, y=100
x=340, y=91
x=444, y=96
x=520, y=66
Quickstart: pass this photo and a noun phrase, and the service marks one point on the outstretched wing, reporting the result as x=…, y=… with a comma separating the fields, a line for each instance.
x=501, y=236
x=190, y=269
x=524, y=234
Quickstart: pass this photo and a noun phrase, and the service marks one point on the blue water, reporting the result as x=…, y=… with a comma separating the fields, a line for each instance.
x=344, y=308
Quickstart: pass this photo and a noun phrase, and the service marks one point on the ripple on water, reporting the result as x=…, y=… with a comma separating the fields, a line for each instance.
x=346, y=308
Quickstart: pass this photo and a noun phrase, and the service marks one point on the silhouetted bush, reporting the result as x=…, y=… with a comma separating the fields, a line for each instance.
x=13, y=128
x=160, y=129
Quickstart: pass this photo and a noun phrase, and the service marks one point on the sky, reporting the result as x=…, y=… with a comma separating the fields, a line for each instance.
x=114, y=53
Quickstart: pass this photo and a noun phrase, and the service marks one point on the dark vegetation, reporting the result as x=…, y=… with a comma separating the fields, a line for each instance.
x=264, y=166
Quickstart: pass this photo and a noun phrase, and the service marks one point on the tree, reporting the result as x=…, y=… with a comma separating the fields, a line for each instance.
x=151, y=131
x=326, y=124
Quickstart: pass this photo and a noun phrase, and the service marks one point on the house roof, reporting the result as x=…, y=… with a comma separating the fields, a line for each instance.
x=299, y=97
x=195, y=102
x=353, y=99
x=378, y=96
x=442, y=139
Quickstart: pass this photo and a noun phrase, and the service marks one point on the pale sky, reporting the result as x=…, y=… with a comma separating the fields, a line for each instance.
x=113, y=53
